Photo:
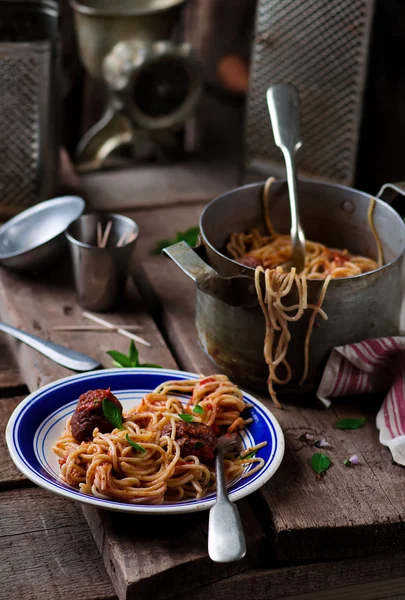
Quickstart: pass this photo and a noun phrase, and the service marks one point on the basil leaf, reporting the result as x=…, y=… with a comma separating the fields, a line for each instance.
x=120, y=358
x=112, y=413
x=190, y=236
x=134, y=445
x=320, y=463
x=116, y=364
x=133, y=355
x=198, y=445
x=186, y=417
x=130, y=361
x=351, y=423
x=198, y=409
x=249, y=455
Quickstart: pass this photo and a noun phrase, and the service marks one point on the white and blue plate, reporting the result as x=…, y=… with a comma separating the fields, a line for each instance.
x=39, y=420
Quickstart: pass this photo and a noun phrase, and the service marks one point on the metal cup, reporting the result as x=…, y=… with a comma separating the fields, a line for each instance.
x=100, y=273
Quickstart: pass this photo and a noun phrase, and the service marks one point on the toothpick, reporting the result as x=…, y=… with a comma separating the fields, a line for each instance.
x=121, y=331
x=99, y=234
x=106, y=234
x=126, y=238
x=131, y=238
x=94, y=328
x=122, y=239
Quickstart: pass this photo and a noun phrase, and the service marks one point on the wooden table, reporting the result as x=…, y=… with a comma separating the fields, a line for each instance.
x=341, y=536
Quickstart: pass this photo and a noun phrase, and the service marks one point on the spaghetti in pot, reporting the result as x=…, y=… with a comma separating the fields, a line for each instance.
x=144, y=462
x=269, y=254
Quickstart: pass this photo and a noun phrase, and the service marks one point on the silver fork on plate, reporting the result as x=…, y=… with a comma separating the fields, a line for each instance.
x=226, y=539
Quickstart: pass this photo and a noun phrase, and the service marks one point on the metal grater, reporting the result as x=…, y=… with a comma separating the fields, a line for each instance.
x=320, y=46
x=28, y=105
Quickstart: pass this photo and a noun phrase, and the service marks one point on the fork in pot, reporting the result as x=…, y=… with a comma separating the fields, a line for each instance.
x=226, y=539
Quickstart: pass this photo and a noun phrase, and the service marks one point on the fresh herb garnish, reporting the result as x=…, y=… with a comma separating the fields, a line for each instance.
x=351, y=423
x=198, y=409
x=186, y=417
x=249, y=455
x=134, y=445
x=320, y=463
x=190, y=236
x=119, y=359
x=112, y=413
x=198, y=445
x=130, y=361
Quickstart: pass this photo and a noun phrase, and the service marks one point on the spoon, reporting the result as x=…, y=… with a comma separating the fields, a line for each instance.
x=226, y=540
x=76, y=361
x=283, y=105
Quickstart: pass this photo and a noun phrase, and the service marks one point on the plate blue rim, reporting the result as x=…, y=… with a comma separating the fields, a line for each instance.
x=32, y=413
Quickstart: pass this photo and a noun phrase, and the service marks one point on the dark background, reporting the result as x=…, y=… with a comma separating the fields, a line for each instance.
x=218, y=28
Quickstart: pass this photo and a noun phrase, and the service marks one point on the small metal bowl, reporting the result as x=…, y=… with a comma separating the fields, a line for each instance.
x=35, y=238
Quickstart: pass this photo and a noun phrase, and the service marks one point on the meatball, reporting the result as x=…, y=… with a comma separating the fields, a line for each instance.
x=89, y=414
x=248, y=261
x=194, y=438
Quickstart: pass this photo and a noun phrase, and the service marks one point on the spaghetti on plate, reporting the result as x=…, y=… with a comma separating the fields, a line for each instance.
x=162, y=450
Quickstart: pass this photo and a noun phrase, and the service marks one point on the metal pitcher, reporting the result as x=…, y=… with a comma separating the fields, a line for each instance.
x=230, y=323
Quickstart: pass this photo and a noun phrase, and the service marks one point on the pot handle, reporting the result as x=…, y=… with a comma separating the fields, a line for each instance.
x=389, y=191
x=234, y=291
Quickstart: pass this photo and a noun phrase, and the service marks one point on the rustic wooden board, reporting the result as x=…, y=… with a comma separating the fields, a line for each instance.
x=47, y=550
x=138, y=553
x=21, y=297
x=11, y=381
x=349, y=512
x=362, y=579
x=165, y=556
x=153, y=186
x=10, y=476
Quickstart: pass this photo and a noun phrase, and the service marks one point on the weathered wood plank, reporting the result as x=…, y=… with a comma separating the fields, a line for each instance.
x=363, y=579
x=11, y=381
x=164, y=556
x=132, y=566
x=10, y=476
x=38, y=304
x=349, y=512
x=47, y=550
x=154, y=186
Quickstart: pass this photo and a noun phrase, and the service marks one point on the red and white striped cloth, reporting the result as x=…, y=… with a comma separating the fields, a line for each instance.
x=376, y=365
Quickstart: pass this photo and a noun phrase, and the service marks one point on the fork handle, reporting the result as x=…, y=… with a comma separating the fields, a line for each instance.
x=226, y=539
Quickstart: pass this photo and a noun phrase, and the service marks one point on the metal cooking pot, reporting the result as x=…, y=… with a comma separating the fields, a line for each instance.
x=230, y=323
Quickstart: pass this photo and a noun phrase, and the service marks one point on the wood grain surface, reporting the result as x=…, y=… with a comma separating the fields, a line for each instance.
x=297, y=517
x=167, y=555
x=349, y=512
x=43, y=538
x=47, y=550
x=156, y=186
x=37, y=304
x=10, y=476
x=11, y=380
x=130, y=547
x=362, y=579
